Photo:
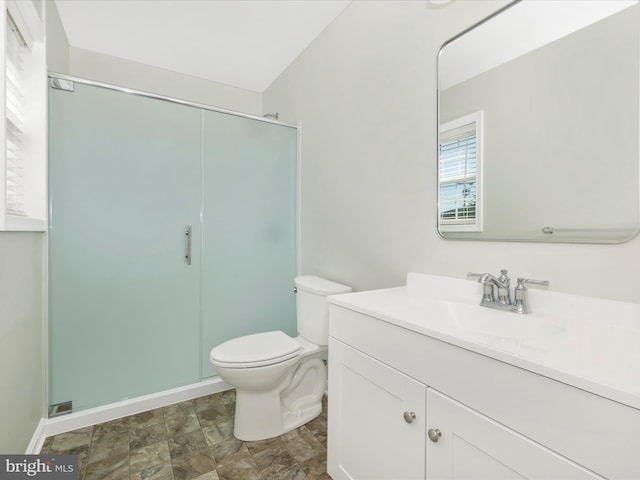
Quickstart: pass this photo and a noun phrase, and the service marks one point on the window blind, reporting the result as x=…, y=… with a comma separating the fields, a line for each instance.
x=458, y=167
x=14, y=112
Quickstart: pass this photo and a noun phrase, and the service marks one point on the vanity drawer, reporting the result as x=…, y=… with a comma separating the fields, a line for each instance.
x=595, y=432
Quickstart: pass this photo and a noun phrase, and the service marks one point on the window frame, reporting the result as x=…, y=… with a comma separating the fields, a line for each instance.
x=26, y=18
x=475, y=118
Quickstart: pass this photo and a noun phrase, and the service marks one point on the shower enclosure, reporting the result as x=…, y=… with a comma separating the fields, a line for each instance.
x=172, y=229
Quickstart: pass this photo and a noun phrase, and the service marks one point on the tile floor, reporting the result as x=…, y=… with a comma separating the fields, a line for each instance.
x=193, y=440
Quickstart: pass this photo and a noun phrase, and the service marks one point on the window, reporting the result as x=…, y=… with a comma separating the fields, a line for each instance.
x=16, y=49
x=23, y=200
x=459, y=176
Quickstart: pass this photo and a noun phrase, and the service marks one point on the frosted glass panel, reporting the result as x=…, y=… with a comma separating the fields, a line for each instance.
x=125, y=181
x=249, y=233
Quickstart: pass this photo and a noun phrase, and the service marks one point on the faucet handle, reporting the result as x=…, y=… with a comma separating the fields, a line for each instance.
x=503, y=275
x=522, y=281
x=520, y=301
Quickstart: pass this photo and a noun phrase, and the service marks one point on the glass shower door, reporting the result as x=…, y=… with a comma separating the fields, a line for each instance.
x=249, y=230
x=125, y=183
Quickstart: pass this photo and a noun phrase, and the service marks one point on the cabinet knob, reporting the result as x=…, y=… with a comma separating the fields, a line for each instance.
x=434, y=434
x=409, y=417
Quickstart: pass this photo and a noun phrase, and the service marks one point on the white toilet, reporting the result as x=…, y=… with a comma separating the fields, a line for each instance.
x=280, y=380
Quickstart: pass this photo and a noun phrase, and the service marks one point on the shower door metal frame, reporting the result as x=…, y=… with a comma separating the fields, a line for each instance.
x=142, y=93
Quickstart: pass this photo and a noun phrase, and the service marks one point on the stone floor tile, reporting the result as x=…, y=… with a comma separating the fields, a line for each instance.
x=231, y=408
x=187, y=442
x=149, y=456
x=215, y=434
x=211, y=416
x=229, y=451
x=83, y=460
x=240, y=469
x=157, y=472
x=229, y=396
x=191, y=465
x=179, y=409
x=316, y=469
x=110, y=448
x=193, y=440
x=266, y=452
x=208, y=476
x=303, y=445
x=147, y=436
x=181, y=423
x=46, y=446
x=72, y=442
x=282, y=472
x=146, y=419
x=207, y=402
x=108, y=469
x=113, y=427
x=318, y=427
x=274, y=460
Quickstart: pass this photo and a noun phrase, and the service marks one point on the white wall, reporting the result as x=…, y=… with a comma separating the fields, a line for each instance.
x=125, y=73
x=365, y=93
x=22, y=328
x=57, y=43
x=22, y=350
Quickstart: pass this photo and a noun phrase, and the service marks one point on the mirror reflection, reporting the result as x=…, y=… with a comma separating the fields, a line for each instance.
x=538, y=124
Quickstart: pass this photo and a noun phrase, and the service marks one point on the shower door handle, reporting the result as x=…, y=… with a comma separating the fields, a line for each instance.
x=188, y=234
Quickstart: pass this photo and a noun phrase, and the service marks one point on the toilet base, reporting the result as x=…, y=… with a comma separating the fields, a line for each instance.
x=262, y=415
x=293, y=420
x=270, y=421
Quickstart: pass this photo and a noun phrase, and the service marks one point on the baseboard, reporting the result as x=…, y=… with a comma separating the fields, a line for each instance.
x=105, y=413
x=37, y=440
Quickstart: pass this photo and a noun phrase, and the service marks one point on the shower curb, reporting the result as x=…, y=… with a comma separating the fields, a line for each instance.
x=84, y=418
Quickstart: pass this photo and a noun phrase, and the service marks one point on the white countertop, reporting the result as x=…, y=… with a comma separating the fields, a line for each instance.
x=589, y=343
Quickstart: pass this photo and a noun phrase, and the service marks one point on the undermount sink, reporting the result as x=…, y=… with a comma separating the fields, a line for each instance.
x=503, y=325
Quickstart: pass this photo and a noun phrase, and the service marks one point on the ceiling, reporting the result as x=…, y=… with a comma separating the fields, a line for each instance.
x=243, y=43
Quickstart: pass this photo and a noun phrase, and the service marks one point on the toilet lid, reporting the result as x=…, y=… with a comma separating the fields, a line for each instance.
x=256, y=350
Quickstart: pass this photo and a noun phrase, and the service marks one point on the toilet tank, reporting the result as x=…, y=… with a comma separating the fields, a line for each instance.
x=312, y=307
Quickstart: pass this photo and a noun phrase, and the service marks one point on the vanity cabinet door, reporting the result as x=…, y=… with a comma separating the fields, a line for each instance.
x=471, y=446
x=376, y=419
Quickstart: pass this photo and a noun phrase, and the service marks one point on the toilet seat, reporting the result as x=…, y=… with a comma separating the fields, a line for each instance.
x=256, y=350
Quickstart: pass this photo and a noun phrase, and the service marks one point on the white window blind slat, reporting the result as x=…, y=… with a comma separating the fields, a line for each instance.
x=457, y=177
x=14, y=118
x=14, y=114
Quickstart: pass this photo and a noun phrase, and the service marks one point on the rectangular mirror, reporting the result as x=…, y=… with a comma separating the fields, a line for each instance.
x=538, y=110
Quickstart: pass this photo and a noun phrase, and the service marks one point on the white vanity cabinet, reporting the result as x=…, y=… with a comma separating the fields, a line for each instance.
x=370, y=436
x=497, y=419
x=381, y=423
x=471, y=446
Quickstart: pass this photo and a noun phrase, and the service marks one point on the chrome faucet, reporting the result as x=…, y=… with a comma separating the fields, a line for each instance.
x=496, y=291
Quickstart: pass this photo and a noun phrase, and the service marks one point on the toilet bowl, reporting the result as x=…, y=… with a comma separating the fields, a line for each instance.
x=280, y=393
x=280, y=380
